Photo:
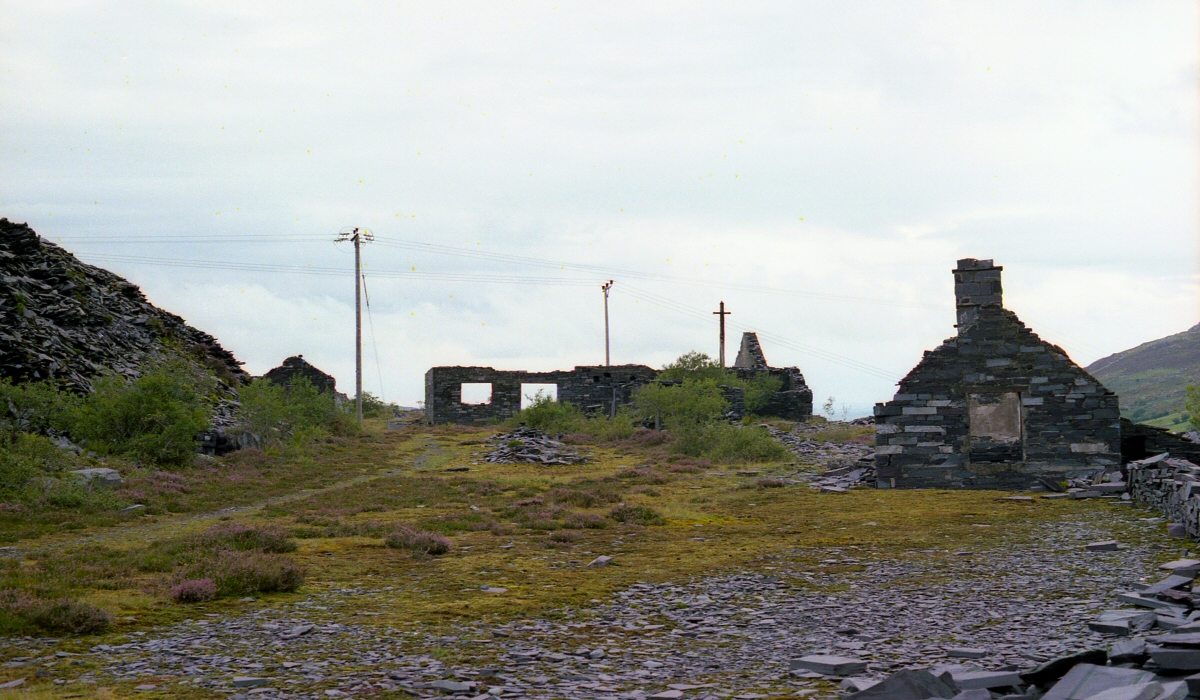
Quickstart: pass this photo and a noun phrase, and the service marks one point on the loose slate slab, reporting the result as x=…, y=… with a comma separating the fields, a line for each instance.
x=831, y=665
x=1128, y=651
x=1177, y=659
x=907, y=685
x=1105, y=546
x=1172, y=582
x=1054, y=669
x=966, y=653
x=249, y=681
x=1122, y=622
x=1183, y=639
x=970, y=680
x=1175, y=690
x=1178, y=564
x=1135, y=598
x=1141, y=691
x=1086, y=680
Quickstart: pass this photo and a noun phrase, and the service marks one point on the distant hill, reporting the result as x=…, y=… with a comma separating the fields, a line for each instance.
x=1150, y=378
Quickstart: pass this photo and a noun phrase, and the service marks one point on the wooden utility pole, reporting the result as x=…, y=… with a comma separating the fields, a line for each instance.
x=605, y=288
x=358, y=237
x=722, y=314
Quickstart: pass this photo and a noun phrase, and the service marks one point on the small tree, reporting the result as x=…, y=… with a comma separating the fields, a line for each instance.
x=1192, y=406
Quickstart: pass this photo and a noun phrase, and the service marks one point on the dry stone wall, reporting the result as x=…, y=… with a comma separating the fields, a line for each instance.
x=1172, y=486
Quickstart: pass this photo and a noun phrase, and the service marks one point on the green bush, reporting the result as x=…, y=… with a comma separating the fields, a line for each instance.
x=681, y=407
x=155, y=417
x=700, y=367
x=724, y=443
x=554, y=418
x=1192, y=406
x=35, y=407
x=286, y=414
x=20, y=609
x=419, y=541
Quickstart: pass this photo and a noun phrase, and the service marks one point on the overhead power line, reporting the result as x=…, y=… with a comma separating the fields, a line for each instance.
x=488, y=256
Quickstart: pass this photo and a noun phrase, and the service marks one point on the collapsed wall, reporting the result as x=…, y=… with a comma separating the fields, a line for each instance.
x=66, y=321
x=1171, y=485
x=793, y=400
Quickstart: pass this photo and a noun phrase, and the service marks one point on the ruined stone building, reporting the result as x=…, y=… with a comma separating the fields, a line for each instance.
x=498, y=393
x=994, y=406
x=794, y=400
x=482, y=394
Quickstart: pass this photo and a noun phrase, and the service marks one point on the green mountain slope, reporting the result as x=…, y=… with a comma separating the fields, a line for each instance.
x=1151, y=377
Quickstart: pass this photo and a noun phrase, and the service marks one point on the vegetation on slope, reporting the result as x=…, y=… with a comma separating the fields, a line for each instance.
x=1151, y=378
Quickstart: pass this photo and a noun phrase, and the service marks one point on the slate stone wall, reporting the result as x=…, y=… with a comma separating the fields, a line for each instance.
x=591, y=388
x=297, y=366
x=794, y=400
x=1066, y=421
x=1170, y=485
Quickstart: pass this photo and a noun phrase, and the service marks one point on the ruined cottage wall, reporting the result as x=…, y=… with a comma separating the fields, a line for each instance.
x=1069, y=421
x=591, y=388
x=793, y=401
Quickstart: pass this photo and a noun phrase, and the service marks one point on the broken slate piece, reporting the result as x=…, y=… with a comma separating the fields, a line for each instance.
x=12, y=684
x=249, y=681
x=1177, y=659
x=1182, y=639
x=1171, y=582
x=969, y=680
x=966, y=653
x=1105, y=546
x=1175, y=690
x=667, y=695
x=1175, y=566
x=1177, y=530
x=448, y=686
x=976, y=694
x=1054, y=669
x=600, y=562
x=1135, y=598
x=857, y=685
x=906, y=685
x=1085, y=680
x=1129, y=651
x=1141, y=691
x=1193, y=683
x=1122, y=622
x=831, y=665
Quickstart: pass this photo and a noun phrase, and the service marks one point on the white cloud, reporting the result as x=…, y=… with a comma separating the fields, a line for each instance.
x=834, y=149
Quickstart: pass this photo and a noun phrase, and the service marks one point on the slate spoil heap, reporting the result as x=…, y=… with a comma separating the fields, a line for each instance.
x=63, y=320
x=530, y=445
x=847, y=464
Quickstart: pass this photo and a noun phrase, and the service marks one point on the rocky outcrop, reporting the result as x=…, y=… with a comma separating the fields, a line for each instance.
x=67, y=321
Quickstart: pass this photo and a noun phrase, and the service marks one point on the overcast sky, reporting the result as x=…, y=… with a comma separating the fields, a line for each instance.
x=817, y=166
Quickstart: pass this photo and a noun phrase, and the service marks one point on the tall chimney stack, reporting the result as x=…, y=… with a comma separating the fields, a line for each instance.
x=976, y=284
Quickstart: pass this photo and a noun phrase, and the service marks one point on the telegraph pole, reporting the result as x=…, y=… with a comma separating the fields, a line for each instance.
x=722, y=314
x=358, y=237
x=605, y=288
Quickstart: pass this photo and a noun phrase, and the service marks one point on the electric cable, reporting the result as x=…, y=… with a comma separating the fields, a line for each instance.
x=371, y=325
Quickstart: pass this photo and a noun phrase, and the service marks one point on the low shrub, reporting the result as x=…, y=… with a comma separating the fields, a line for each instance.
x=287, y=414
x=770, y=483
x=194, y=591
x=585, y=521
x=584, y=498
x=564, y=536
x=725, y=443
x=370, y=528
x=683, y=469
x=639, y=515
x=419, y=541
x=555, y=418
x=242, y=572
x=240, y=537
x=61, y=615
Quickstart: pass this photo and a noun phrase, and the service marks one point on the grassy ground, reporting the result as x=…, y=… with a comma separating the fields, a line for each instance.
x=511, y=527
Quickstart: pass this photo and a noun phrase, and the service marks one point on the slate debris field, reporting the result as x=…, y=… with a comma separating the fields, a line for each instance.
x=1002, y=611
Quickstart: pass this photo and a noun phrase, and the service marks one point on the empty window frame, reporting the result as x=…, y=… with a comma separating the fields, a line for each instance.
x=531, y=392
x=475, y=393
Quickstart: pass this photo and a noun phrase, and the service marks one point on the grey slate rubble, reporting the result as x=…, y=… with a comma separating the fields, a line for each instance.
x=63, y=320
x=716, y=637
x=532, y=446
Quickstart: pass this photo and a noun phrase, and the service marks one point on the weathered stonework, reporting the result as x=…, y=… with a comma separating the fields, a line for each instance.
x=592, y=388
x=995, y=406
x=297, y=366
x=794, y=400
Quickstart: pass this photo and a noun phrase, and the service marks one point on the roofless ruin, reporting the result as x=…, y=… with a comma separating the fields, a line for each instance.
x=995, y=406
x=592, y=388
